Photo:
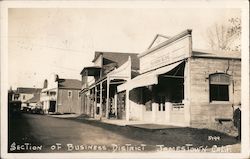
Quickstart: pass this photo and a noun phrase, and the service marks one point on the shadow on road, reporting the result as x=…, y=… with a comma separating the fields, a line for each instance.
x=170, y=137
x=19, y=132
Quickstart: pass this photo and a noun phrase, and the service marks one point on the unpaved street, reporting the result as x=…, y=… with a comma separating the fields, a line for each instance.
x=81, y=135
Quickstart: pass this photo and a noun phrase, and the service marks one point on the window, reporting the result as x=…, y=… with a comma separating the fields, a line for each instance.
x=23, y=97
x=219, y=87
x=69, y=94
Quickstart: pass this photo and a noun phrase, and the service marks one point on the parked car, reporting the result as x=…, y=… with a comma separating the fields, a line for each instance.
x=26, y=109
x=37, y=110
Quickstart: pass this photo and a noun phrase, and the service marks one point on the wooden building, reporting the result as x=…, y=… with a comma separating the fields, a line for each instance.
x=99, y=97
x=61, y=95
x=179, y=85
x=24, y=94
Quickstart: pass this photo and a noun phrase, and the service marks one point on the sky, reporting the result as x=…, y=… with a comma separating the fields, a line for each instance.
x=43, y=42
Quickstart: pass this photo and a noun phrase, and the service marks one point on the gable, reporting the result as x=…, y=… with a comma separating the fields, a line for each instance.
x=158, y=40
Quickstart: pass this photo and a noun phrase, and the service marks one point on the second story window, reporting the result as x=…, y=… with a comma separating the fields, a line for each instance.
x=69, y=94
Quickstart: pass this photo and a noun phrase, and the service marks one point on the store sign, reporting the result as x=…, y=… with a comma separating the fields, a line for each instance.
x=173, y=52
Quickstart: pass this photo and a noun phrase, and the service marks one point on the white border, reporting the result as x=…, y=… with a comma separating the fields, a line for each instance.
x=126, y=4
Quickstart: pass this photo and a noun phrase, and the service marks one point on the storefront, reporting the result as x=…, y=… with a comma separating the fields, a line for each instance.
x=99, y=96
x=178, y=85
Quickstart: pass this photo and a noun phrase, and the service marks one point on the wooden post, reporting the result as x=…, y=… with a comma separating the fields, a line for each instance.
x=101, y=100
x=95, y=105
x=127, y=105
x=154, y=104
x=115, y=99
x=107, y=101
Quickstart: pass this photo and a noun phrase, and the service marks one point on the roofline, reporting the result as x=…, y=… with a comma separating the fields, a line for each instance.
x=172, y=39
x=213, y=51
x=101, y=52
x=97, y=67
x=70, y=88
x=167, y=37
x=29, y=87
x=216, y=57
x=95, y=58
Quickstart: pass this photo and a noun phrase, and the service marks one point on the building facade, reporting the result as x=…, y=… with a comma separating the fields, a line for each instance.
x=174, y=84
x=179, y=85
x=99, y=96
x=24, y=94
x=61, y=95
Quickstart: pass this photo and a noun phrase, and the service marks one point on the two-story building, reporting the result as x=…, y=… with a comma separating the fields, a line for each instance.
x=61, y=95
x=174, y=84
x=99, y=97
x=24, y=94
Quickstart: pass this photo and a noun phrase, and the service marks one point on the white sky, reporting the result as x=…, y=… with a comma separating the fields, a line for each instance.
x=63, y=41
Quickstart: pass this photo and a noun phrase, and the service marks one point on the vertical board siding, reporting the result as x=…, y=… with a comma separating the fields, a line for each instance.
x=66, y=104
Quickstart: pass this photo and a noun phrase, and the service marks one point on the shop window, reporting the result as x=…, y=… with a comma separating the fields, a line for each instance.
x=219, y=87
x=69, y=94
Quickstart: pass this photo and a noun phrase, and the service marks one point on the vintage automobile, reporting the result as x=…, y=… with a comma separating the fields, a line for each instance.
x=26, y=109
x=37, y=110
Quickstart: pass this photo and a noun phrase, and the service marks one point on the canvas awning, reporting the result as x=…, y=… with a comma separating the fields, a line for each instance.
x=146, y=79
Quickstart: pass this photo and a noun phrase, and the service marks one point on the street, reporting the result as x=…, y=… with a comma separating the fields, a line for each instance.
x=42, y=133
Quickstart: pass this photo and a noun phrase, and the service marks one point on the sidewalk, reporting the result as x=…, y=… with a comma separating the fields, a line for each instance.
x=64, y=115
x=119, y=122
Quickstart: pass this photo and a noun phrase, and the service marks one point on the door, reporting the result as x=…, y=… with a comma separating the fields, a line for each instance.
x=121, y=105
x=52, y=106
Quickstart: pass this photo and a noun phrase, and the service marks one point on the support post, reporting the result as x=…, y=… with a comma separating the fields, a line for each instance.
x=127, y=105
x=101, y=101
x=154, y=104
x=107, y=100
x=115, y=98
x=95, y=105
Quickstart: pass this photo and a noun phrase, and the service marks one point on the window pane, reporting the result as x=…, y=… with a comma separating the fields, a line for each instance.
x=219, y=92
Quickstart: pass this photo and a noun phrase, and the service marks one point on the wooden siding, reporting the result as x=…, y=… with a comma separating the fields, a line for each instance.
x=202, y=111
x=66, y=104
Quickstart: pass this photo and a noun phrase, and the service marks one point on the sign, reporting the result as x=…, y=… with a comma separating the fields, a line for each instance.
x=170, y=53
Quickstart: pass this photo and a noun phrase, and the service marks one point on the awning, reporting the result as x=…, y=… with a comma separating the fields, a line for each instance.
x=146, y=79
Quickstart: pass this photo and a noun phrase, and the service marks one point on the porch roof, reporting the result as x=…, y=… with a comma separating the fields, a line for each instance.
x=148, y=78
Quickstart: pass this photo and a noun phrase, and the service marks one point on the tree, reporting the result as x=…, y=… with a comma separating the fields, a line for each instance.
x=225, y=36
